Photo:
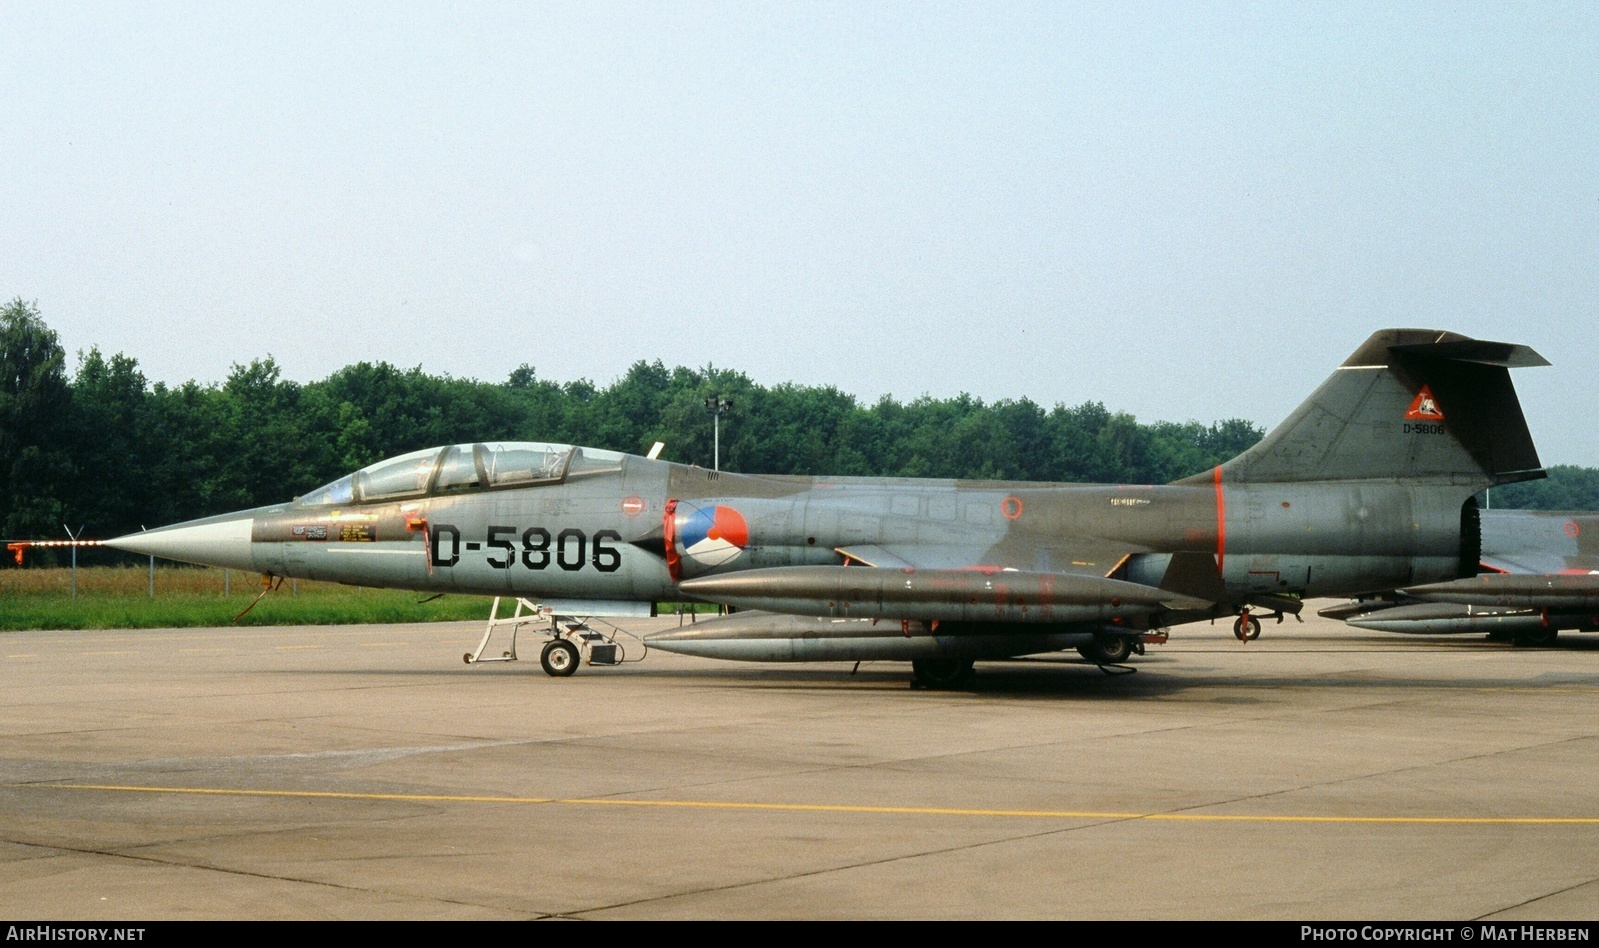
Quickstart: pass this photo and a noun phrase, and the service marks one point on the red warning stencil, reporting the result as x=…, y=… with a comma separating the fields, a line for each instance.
x=1424, y=407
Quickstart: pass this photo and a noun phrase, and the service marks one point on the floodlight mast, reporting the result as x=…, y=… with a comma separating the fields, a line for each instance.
x=717, y=406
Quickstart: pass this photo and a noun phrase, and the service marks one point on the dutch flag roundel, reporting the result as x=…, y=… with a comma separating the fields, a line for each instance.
x=713, y=535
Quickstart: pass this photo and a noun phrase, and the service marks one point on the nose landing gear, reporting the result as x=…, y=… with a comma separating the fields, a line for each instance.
x=571, y=640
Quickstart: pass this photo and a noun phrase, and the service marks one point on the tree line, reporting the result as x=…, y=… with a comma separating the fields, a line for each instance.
x=105, y=448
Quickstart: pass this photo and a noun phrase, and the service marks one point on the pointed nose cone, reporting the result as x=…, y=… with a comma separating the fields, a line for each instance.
x=216, y=541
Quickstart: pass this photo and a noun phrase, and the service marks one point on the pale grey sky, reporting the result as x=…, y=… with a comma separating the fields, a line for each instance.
x=1187, y=211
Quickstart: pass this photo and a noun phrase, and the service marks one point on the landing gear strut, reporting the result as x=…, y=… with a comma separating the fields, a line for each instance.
x=1246, y=627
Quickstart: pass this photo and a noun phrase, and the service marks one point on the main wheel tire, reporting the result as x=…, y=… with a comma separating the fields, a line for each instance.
x=559, y=658
x=1245, y=635
x=1108, y=649
x=1537, y=638
x=942, y=672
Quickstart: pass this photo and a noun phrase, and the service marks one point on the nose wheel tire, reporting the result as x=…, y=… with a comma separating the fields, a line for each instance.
x=559, y=658
x=1246, y=633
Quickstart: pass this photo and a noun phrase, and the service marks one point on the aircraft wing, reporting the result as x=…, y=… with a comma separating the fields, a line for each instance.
x=960, y=595
x=1540, y=542
x=1534, y=562
x=1075, y=556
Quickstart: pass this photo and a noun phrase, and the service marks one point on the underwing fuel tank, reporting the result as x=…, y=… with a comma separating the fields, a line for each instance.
x=1446, y=618
x=765, y=637
x=952, y=595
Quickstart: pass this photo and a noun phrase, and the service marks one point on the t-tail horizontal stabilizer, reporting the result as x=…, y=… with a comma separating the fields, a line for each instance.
x=1410, y=404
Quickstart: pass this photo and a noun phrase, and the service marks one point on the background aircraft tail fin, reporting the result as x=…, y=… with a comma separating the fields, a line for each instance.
x=1416, y=404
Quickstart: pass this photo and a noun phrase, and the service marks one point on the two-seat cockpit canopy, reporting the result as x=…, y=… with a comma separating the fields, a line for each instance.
x=461, y=468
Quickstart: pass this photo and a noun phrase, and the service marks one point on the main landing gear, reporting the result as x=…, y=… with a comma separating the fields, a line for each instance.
x=1526, y=638
x=1541, y=637
x=1111, y=649
x=942, y=673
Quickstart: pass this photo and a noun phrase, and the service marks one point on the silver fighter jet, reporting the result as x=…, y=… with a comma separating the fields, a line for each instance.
x=1367, y=486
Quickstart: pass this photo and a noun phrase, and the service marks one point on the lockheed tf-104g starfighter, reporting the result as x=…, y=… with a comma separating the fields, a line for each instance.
x=1367, y=486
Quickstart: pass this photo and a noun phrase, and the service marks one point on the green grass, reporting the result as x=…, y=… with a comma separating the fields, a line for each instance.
x=178, y=611
x=119, y=598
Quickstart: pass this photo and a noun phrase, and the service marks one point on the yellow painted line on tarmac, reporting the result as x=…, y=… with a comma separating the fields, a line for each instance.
x=829, y=807
x=24, y=655
x=1544, y=691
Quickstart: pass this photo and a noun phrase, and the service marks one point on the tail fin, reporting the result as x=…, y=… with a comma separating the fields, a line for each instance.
x=1416, y=404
